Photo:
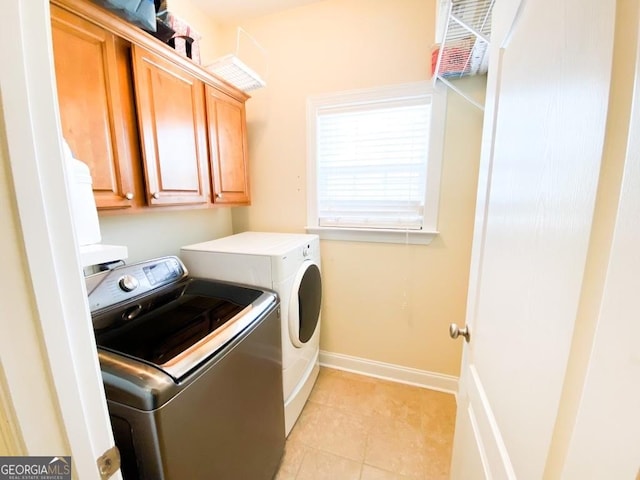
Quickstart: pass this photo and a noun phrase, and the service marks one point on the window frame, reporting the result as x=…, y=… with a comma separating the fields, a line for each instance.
x=438, y=95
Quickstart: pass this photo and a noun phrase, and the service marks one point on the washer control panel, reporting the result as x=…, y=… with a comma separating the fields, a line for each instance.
x=129, y=281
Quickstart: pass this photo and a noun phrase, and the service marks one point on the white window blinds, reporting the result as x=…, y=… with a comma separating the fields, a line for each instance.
x=372, y=163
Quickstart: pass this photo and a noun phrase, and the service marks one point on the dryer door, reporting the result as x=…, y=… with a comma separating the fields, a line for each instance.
x=304, y=306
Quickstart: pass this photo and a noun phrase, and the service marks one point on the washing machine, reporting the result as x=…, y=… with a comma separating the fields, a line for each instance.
x=288, y=264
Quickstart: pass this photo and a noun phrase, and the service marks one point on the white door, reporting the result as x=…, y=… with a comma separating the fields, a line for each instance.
x=542, y=145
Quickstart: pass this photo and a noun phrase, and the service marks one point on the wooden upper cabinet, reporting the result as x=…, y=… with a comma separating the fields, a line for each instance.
x=96, y=106
x=227, y=135
x=154, y=128
x=171, y=119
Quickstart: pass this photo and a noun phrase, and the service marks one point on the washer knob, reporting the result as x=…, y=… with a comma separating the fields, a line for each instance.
x=306, y=251
x=128, y=283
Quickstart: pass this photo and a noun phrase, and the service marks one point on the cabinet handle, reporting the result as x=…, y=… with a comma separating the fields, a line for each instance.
x=128, y=196
x=218, y=195
x=156, y=195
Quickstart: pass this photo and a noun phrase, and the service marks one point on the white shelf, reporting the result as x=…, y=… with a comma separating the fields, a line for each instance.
x=464, y=46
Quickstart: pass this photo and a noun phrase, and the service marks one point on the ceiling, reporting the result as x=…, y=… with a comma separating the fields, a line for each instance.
x=225, y=10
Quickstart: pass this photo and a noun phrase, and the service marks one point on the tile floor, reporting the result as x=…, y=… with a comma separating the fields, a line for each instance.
x=361, y=428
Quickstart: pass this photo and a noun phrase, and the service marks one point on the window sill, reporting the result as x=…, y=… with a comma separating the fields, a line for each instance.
x=414, y=237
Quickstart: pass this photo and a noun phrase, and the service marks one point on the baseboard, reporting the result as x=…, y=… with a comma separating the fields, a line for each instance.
x=388, y=371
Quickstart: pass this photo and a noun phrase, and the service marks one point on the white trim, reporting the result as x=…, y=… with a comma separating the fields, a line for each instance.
x=436, y=155
x=38, y=171
x=413, y=237
x=388, y=371
x=438, y=99
x=473, y=420
x=489, y=438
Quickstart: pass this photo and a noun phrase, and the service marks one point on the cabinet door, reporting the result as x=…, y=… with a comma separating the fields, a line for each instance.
x=96, y=113
x=171, y=118
x=226, y=123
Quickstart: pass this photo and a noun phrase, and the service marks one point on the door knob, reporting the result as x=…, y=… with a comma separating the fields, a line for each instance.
x=455, y=331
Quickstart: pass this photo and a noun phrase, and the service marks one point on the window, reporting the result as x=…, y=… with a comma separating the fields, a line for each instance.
x=374, y=163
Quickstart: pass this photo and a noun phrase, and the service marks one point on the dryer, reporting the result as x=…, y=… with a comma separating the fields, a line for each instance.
x=288, y=264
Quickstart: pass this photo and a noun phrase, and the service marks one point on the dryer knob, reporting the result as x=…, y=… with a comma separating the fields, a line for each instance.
x=306, y=251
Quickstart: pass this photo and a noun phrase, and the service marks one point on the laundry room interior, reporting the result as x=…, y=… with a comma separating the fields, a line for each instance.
x=419, y=290
x=386, y=308
x=335, y=349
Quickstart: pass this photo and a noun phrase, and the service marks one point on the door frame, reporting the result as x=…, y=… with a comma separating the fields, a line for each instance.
x=38, y=174
x=605, y=358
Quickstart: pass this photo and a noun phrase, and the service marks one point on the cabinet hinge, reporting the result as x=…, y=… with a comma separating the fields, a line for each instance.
x=109, y=463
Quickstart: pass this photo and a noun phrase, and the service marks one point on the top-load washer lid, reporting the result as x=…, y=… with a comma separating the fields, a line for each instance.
x=173, y=327
x=166, y=334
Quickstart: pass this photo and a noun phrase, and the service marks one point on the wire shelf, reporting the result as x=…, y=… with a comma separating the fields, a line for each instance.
x=234, y=71
x=464, y=49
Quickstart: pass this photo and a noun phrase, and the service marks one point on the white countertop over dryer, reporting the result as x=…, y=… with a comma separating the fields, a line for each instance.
x=255, y=243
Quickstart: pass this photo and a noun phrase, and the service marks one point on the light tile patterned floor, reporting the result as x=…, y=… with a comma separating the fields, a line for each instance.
x=360, y=428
